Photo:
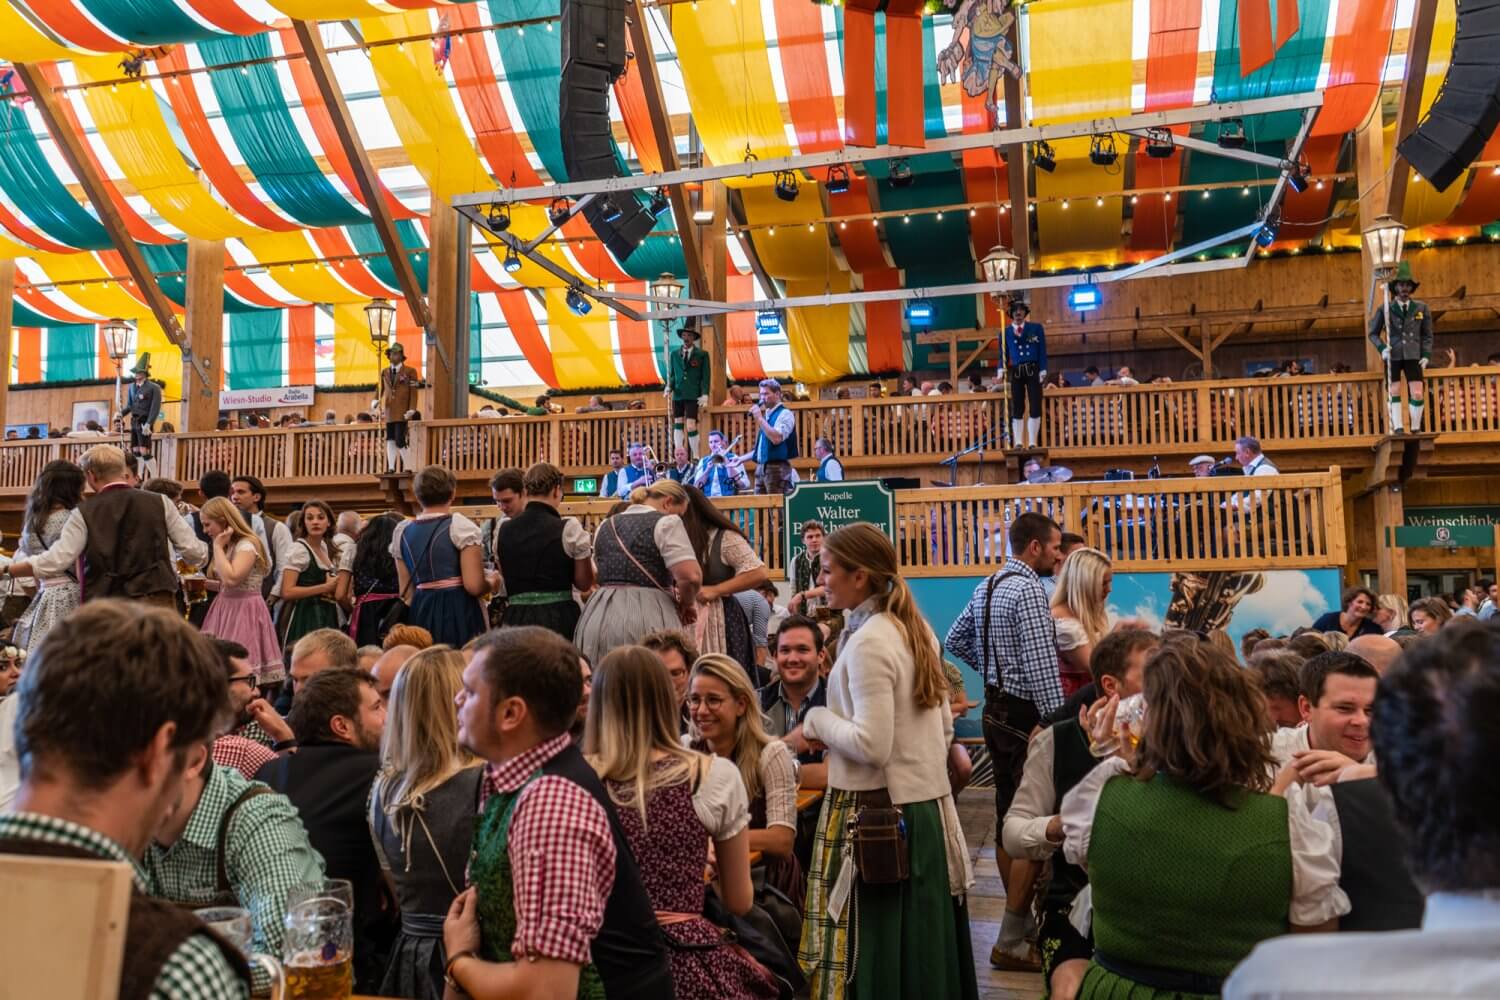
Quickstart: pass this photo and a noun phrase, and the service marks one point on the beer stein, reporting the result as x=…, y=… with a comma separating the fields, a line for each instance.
x=232, y=923
x=318, y=948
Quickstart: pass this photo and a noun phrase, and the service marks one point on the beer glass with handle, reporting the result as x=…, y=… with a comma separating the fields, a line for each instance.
x=318, y=948
x=232, y=923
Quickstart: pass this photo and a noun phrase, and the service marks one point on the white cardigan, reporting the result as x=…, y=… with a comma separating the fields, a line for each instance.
x=869, y=702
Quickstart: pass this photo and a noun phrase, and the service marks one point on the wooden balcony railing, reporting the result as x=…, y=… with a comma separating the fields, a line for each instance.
x=1297, y=521
x=1308, y=413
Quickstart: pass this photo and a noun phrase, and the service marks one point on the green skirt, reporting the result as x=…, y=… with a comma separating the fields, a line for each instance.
x=1101, y=984
x=910, y=939
x=306, y=615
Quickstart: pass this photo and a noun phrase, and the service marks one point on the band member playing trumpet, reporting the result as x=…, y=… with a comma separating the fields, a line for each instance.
x=722, y=472
x=635, y=473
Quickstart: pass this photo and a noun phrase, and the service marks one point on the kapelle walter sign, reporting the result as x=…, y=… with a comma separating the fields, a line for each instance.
x=835, y=505
x=247, y=399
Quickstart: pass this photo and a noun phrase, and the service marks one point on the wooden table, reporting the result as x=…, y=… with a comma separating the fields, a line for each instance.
x=808, y=797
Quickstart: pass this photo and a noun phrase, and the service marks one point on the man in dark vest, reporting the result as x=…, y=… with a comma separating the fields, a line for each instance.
x=554, y=881
x=1058, y=759
x=544, y=556
x=123, y=537
x=777, y=444
x=99, y=792
x=1371, y=851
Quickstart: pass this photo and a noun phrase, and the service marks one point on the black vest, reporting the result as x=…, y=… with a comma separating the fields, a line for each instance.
x=629, y=951
x=1071, y=761
x=1373, y=872
x=531, y=555
x=156, y=928
x=127, y=550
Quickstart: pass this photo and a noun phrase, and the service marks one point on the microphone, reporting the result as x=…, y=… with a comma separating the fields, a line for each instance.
x=1226, y=460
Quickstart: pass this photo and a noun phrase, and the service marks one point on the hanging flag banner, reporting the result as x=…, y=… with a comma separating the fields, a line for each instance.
x=244, y=399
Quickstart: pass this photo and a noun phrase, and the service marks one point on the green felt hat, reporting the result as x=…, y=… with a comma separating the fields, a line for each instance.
x=142, y=364
x=1403, y=273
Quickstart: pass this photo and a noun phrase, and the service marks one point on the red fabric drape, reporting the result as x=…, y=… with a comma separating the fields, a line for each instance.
x=1303, y=215
x=1171, y=70
x=1256, y=45
x=301, y=350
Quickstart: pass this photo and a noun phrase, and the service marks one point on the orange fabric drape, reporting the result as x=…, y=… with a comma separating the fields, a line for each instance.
x=884, y=350
x=39, y=303
x=630, y=96
x=75, y=27
x=355, y=273
x=804, y=66
x=635, y=342
x=859, y=72
x=28, y=354
x=1288, y=20
x=1171, y=71
x=301, y=345
x=1361, y=36
x=528, y=334
x=741, y=342
x=905, y=123
x=1256, y=45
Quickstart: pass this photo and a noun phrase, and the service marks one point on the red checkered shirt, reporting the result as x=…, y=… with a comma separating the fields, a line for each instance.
x=244, y=755
x=562, y=857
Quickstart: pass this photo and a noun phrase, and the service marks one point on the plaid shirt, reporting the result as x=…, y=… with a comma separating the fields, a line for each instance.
x=244, y=755
x=196, y=970
x=266, y=853
x=562, y=856
x=252, y=731
x=1021, y=656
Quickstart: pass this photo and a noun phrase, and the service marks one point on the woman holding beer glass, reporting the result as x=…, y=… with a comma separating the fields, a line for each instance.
x=237, y=564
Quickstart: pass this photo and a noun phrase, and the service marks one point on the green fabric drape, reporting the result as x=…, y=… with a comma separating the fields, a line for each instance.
x=476, y=339
x=366, y=240
x=256, y=113
x=33, y=187
x=72, y=353
x=169, y=264
x=1294, y=70
x=147, y=22
x=1225, y=208
x=255, y=352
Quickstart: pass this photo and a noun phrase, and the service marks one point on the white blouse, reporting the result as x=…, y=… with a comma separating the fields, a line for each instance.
x=300, y=559
x=720, y=801
x=669, y=534
x=778, y=776
x=576, y=540
x=462, y=531
x=1316, y=896
x=1070, y=634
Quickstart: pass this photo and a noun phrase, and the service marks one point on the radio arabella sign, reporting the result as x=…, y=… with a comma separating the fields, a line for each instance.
x=251, y=399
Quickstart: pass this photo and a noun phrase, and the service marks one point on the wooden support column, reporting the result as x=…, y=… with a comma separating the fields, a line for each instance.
x=1370, y=176
x=7, y=292
x=71, y=145
x=205, y=334
x=1390, y=559
x=1418, y=44
x=1016, y=160
x=715, y=257
x=449, y=304
x=1208, y=349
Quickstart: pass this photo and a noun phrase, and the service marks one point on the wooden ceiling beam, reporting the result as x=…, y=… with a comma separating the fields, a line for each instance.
x=1409, y=110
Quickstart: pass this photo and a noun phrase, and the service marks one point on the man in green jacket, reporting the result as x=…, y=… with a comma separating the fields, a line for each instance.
x=1407, y=345
x=687, y=384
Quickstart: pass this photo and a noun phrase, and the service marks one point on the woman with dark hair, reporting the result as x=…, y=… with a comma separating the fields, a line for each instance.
x=440, y=563
x=369, y=584
x=730, y=566
x=1191, y=858
x=544, y=557
x=55, y=493
x=1355, y=618
x=310, y=579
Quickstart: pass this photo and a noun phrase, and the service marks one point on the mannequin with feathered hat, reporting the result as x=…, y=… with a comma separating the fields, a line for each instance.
x=1026, y=368
x=143, y=403
x=1406, y=346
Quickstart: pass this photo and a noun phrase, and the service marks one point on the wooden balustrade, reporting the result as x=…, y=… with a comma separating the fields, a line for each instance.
x=343, y=452
x=1463, y=401
x=262, y=454
x=488, y=445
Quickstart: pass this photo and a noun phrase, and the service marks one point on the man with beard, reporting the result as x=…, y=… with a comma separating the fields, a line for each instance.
x=247, y=746
x=337, y=719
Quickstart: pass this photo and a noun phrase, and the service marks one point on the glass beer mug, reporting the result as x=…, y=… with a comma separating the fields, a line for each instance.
x=232, y=923
x=318, y=948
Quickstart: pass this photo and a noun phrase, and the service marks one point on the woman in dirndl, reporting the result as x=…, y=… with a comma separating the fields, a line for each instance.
x=238, y=562
x=648, y=574
x=874, y=934
x=440, y=563
x=730, y=566
x=310, y=579
x=55, y=493
x=544, y=557
x=369, y=582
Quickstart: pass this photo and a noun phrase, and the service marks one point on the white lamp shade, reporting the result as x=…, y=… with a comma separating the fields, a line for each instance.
x=119, y=339
x=667, y=286
x=381, y=316
x=1384, y=240
x=1000, y=265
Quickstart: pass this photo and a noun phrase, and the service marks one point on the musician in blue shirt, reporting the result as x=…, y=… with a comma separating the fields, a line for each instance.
x=721, y=473
x=830, y=469
x=1026, y=366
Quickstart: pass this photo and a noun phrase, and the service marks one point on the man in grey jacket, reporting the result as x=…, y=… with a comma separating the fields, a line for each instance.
x=143, y=403
x=1407, y=345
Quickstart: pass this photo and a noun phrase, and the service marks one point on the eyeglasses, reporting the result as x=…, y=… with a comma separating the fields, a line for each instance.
x=248, y=679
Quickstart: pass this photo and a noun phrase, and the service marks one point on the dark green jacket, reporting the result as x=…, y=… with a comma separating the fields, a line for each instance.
x=1411, y=330
x=688, y=376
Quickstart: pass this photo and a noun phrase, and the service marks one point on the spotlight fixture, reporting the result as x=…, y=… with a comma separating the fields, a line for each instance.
x=1085, y=297
x=787, y=187
x=920, y=312
x=767, y=322
x=559, y=211
x=901, y=175
x=498, y=218
x=838, y=179
x=1297, y=175
x=1266, y=234
x=609, y=210
x=577, y=302
x=660, y=204
x=1159, y=144
x=512, y=262
x=1102, y=152
x=1043, y=156
x=1232, y=134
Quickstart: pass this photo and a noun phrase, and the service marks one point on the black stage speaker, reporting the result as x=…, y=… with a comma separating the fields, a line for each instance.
x=1462, y=119
x=593, y=57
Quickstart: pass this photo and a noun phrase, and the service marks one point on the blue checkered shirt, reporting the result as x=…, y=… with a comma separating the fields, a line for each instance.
x=1021, y=655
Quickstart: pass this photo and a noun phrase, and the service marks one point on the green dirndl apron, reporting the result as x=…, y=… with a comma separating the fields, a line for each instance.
x=909, y=939
x=308, y=614
x=489, y=871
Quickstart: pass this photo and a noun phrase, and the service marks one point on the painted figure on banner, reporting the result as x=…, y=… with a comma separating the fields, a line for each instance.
x=980, y=54
x=1202, y=602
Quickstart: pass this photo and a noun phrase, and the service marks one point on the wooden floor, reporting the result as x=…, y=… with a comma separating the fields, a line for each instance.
x=976, y=813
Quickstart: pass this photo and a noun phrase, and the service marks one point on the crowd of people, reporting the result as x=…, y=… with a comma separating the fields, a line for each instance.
x=549, y=760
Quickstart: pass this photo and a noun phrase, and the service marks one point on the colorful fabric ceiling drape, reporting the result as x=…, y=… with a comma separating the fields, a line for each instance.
x=255, y=341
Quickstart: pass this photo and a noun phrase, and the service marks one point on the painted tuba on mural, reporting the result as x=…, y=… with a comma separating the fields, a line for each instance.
x=1202, y=602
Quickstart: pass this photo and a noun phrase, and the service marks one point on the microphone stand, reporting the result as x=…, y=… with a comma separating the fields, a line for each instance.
x=952, y=460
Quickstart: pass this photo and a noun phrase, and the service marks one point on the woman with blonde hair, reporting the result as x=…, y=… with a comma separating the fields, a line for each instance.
x=238, y=562
x=1080, y=605
x=725, y=715
x=899, y=929
x=1391, y=613
x=648, y=573
x=1430, y=614
x=422, y=810
x=672, y=802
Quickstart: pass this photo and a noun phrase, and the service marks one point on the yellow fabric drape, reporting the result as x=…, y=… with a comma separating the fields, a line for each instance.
x=166, y=358
x=129, y=120
x=20, y=42
x=308, y=282
x=329, y=10
x=90, y=285
x=354, y=359
x=582, y=347
x=1424, y=204
x=1080, y=68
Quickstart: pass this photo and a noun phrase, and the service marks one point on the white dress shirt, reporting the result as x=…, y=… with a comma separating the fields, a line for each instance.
x=63, y=555
x=10, y=764
x=278, y=543
x=1453, y=955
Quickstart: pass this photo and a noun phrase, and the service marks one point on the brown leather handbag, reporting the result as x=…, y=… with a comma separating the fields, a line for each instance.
x=878, y=831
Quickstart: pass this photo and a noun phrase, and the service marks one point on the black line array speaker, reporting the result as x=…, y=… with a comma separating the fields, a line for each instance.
x=593, y=57
x=1467, y=110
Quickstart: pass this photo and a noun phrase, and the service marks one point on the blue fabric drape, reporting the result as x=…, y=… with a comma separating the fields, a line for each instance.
x=255, y=354
x=72, y=353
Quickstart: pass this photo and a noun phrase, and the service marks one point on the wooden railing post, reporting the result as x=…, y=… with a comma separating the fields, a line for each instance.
x=857, y=410
x=289, y=454
x=554, y=441
x=419, y=441
x=1205, y=412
